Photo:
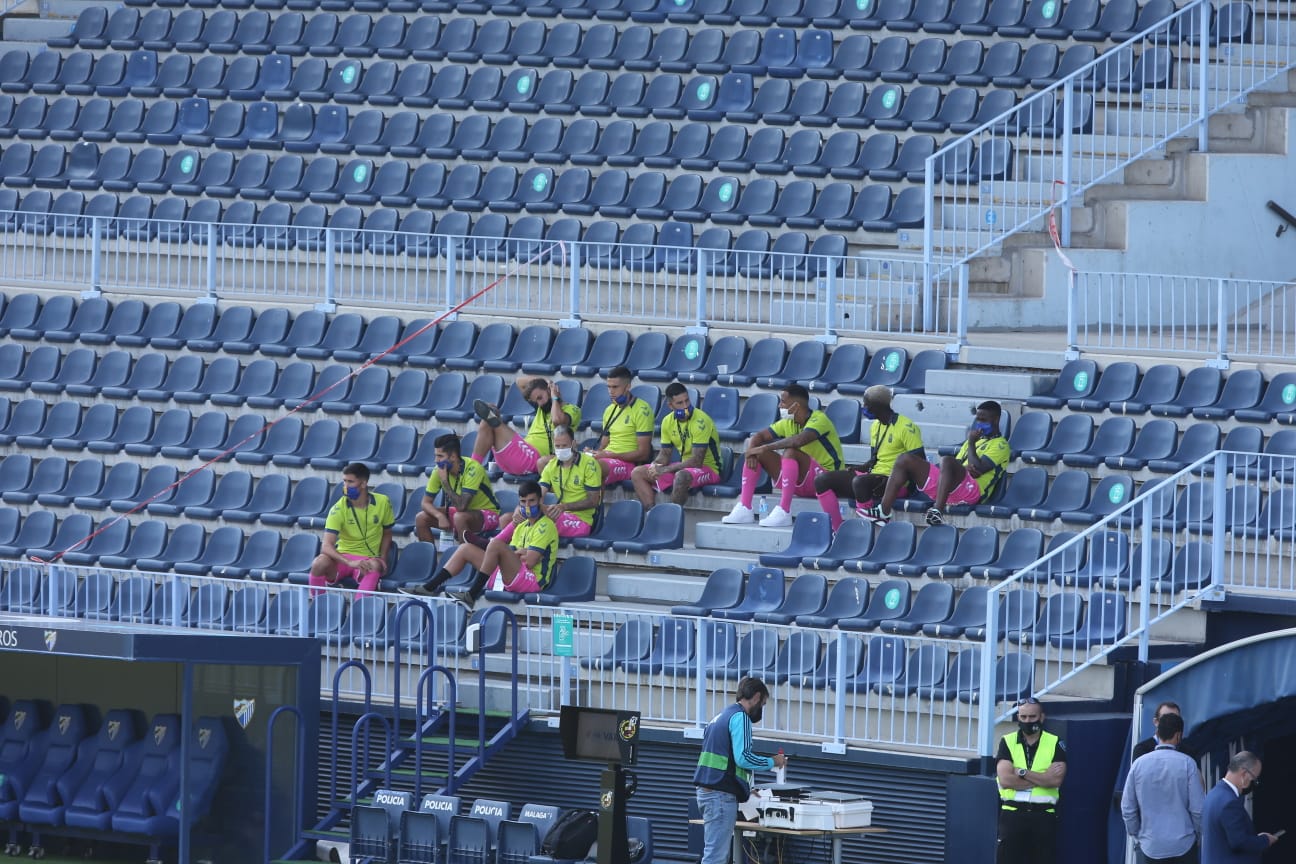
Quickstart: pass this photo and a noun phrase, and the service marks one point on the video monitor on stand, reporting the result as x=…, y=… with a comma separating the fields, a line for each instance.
x=611, y=737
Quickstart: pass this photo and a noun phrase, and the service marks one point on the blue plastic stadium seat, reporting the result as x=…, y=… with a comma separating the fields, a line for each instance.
x=811, y=537
x=723, y=590
x=894, y=543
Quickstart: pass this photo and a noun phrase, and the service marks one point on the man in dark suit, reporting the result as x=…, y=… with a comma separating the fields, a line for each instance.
x=1147, y=745
x=1228, y=836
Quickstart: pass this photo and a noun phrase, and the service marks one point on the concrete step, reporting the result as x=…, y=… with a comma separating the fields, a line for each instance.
x=1020, y=358
x=751, y=539
x=660, y=588
x=71, y=8
x=1005, y=386
x=31, y=48
x=35, y=30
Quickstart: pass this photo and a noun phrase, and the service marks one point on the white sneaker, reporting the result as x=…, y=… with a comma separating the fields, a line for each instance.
x=777, y=518
x=739, y=515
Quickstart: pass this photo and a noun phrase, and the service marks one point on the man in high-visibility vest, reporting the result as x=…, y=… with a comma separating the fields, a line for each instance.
x=1031, y=765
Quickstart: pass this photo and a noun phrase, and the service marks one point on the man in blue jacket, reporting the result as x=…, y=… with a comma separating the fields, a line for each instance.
x=724, y=771
x=1228, y=836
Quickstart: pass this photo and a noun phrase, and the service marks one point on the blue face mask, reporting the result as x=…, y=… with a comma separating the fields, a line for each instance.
x=352, y=492
x=866, y=413
x=682, y=414
x=532, y=512
x=443, y=463
x=622, y=399
x=983, y=428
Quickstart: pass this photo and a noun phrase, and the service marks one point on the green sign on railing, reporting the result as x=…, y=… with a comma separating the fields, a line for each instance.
x=564, y=636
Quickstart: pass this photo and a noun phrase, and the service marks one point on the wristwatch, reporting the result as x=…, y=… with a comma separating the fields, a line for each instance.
x=1021, y=772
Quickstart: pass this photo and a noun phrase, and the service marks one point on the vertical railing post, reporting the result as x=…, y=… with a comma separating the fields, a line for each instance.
x=96, y=258
x=329, y=303
x=929, y=228
x=986, y=701
x=830, y=307
x=1073, y=329
x=573, y=318
x=839, y=704
x=1204, y=54
x=1221, y=323
x=1145, y=584
x=1219, y=529
x=451, y=290
x=1068, y=157
x=701, y=286
x=699, y=678
x=962, y=303
x=211, y=259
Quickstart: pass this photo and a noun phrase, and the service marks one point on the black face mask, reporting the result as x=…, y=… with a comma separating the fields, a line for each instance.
x=1030, y=728
x=756, y=712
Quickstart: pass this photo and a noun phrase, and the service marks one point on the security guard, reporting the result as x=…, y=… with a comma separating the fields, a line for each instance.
x=1030, y=769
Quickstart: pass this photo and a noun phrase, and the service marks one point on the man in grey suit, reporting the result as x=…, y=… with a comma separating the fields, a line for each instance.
x=1228, y=836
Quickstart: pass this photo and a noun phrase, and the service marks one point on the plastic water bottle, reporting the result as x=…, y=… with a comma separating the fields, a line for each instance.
x=780, y=774
x=845, y=510
x=763, y=507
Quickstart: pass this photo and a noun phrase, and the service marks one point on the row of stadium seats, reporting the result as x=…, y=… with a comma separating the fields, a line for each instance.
x=831, y=14
x=898, y=547
x=292, y=443
x=944, y=552
x=844, y=155
x=427, y=37
x=724, y=87
x=764, y=597
x=1163, y=389
x=721, y=201
x=1156, y=445
x=386, y=232
x=458, y=345
x=781, y=52
x=630, y=94
x=883, y=664
x=391, y=828
x=190, y=549
x=122, y=777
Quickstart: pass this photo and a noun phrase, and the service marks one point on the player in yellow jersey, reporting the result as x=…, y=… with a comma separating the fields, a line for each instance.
x=810, y=446
x=627, y=429
x=357, y=534
x=964, y=478
x=468, y=504
x=690, y=433
x=890, y=436
x=517, y=454
x=526, y=563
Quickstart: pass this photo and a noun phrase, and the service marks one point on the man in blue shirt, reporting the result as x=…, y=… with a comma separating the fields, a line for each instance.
x=725, y=767
x=1162, y=802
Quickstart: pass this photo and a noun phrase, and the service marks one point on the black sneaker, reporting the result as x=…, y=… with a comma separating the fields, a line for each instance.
x=464, y=597
x=935, y=517
x=487, y=412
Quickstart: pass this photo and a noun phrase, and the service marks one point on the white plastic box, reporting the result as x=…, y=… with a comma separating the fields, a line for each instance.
x=818, y=814
x=847, y=811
